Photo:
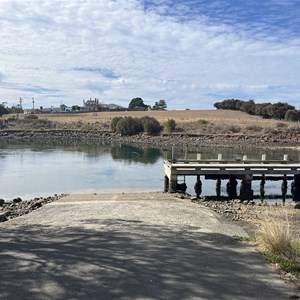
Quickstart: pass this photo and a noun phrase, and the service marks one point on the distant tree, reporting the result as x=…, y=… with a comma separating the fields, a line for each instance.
x=160, y=105
x=75, y=107
x=14, y=109
x=218, y=105
x=248, y=107
x=280, y=109
x=3, y=110
x=260, y=110
x=232, y=104
x=292, y=115
x=276, y=111
x=137, y=102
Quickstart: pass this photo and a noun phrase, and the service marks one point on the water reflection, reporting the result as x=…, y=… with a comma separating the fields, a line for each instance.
x=35, y=170
x=135, y=154
x=120, y=152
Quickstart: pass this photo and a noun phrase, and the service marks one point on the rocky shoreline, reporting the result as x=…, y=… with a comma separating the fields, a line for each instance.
x=250, y=214
x=71, y=137
x=17, y=207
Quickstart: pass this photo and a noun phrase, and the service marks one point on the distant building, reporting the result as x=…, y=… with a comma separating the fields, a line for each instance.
x=95, y=105
x=91, y=105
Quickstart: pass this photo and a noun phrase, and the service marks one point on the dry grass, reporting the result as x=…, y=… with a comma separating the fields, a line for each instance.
x=188, y=121
x=278, y=246
x=274, y=232
x=216, y=117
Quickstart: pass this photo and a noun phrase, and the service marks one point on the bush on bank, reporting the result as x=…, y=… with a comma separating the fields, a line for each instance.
x=151, y=125
x=129, y=126
x=132, y=126
x=171, y=125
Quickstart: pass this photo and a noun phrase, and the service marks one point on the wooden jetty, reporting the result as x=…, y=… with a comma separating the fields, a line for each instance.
x=245, y=170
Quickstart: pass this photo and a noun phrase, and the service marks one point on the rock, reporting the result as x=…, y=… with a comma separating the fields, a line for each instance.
x=2, y=202
x=297, y=206
x=36, y=205
x=17, y=200
x=3, y=217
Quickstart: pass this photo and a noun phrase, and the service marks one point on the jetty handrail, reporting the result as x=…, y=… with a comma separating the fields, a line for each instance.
x=227, y=161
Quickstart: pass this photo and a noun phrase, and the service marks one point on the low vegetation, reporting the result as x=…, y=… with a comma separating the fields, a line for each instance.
x=31, y=117
x=151, y=125
x=171, y=125
x=275, y=241
x=132, y=126
x=27, y=122
x=274, y=233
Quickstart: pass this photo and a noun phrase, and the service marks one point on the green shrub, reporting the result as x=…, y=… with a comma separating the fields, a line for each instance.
x=129, y=126
x=171, y=125
x=203, y=122
x=30, y=117
x=151, y=125
x=114, y=122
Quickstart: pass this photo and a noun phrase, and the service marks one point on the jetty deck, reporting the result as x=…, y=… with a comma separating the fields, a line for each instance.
x=246, y=170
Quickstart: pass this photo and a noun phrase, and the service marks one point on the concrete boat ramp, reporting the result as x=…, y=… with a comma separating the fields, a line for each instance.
x=131, y=246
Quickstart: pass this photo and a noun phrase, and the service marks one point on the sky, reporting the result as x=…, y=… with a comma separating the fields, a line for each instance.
x=190, y=53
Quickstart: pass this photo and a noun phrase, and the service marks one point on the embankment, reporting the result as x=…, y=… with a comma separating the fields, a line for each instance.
x=69, y=137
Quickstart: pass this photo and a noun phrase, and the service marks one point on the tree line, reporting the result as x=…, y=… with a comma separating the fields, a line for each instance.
x=138, y=103
x=278, y=111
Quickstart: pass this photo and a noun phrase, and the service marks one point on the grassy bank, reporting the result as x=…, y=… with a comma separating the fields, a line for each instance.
x=188, y=122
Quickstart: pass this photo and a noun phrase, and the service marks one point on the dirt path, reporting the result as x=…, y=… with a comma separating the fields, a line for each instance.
x=131, y=246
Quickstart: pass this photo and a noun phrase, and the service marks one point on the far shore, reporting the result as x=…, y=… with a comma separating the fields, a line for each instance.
x=164, y=141
x=194, y=128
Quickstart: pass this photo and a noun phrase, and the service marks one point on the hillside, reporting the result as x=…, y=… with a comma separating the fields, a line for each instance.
x=217, y=117
x=194, y=127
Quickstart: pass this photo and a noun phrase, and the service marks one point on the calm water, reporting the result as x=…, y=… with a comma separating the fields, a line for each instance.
x=33, y=171
x=42, y=171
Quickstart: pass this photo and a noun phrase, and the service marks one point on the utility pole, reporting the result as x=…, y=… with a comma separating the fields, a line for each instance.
x=32, y=103
x=20, y=102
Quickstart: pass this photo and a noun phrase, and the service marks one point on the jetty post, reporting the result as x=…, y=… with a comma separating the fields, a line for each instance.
x=246, y=191
x=170, y=178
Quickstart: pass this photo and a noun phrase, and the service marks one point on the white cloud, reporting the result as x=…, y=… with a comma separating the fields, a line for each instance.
x=50, y=46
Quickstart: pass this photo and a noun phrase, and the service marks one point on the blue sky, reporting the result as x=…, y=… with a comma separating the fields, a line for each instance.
x=191, y=53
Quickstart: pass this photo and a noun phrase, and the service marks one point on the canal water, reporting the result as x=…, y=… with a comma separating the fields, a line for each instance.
x=29, y=171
